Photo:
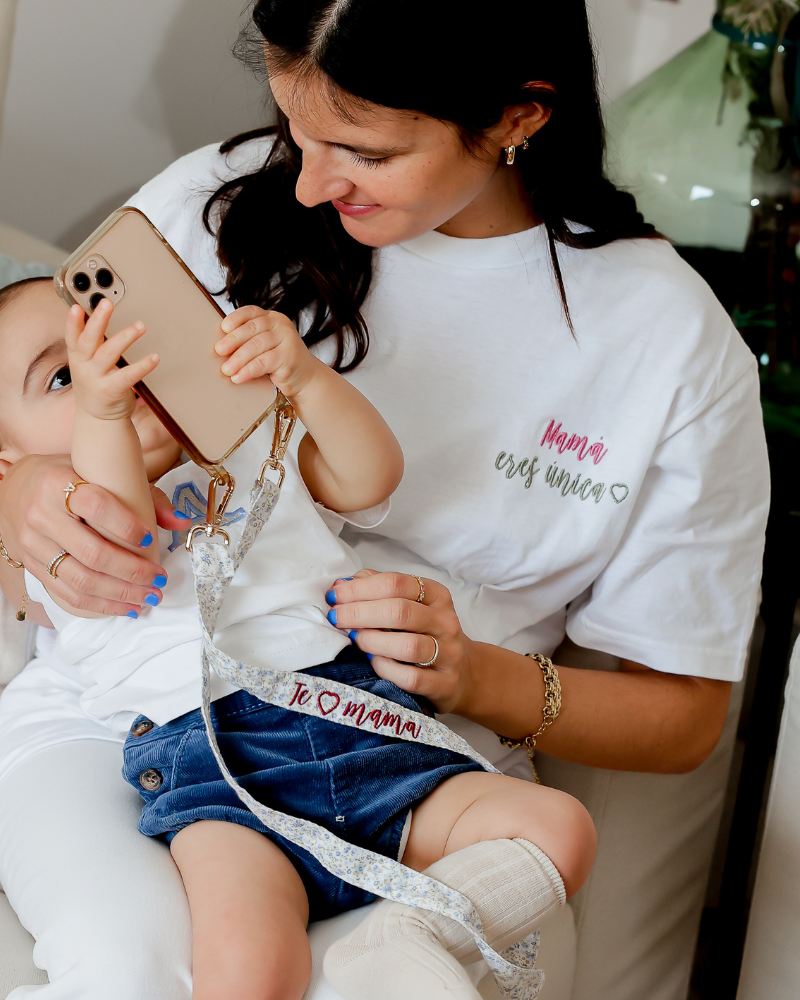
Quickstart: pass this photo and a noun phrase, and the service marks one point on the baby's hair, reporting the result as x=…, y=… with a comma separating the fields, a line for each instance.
x=16, y=288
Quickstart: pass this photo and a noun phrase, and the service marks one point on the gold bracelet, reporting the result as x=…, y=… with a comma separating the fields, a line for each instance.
x=4, y=555
x=22, y=614
x=550, y=710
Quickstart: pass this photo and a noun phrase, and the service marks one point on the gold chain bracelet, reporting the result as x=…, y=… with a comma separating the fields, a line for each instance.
x=22, y=614
x=550, y=710
x=4, y=555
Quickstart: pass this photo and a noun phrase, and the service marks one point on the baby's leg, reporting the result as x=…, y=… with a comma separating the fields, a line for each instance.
x=249, y=914
x=477, y=806
x=515, y=849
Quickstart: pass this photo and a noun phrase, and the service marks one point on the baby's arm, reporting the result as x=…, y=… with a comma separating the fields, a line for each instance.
x=105, y=446
x=349, y=459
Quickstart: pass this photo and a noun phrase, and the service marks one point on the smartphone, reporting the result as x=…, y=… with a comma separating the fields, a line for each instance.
x=129, y=262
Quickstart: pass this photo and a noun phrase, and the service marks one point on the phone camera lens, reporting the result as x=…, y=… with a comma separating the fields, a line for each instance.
x=81, y=282
x=95, y=300
x=104, y=278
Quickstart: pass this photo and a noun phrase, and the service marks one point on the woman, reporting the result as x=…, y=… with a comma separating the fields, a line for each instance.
x=580, y=423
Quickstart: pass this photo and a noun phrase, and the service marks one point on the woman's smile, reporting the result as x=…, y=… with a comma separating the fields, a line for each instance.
x=348, y=209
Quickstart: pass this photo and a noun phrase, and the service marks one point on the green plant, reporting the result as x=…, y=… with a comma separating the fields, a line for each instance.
x=758, y=17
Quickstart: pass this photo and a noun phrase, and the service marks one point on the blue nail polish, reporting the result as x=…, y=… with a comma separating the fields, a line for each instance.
x=159, y=581
x=369, y=657
x=332, y=616
x=152, y=600
x=147, y=540
x=348, y=579
x=330, y=597
x=133, y=614
x=352, y=635
x=181, y=515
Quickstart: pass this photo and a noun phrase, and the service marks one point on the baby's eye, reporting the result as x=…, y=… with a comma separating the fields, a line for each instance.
x=60, y=380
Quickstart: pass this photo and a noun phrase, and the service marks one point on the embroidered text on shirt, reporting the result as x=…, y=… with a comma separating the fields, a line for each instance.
x=559, y=479
x=526, y=467
x=574, y=442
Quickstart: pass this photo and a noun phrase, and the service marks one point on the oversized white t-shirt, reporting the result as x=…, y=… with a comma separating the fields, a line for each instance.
x=611, y=486
x=274, y=613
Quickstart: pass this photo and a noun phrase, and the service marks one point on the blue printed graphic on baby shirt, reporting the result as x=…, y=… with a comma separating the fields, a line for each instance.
x=188, y=499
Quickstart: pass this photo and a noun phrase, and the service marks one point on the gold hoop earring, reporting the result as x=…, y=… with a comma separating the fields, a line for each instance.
x=525, y=142
x=511, y=152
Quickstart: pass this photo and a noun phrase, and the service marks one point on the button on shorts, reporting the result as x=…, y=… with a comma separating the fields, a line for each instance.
x=359, y=785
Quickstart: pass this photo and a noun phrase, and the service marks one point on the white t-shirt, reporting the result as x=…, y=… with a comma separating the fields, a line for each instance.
x=274, y=613
x=471, y=363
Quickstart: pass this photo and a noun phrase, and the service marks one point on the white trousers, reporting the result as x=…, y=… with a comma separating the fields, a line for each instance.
x=105, y=904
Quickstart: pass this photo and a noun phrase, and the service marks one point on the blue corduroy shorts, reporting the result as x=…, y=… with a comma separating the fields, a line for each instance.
x=357, y=784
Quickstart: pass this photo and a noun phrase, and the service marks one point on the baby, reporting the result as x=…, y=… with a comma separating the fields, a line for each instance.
x=514, y=848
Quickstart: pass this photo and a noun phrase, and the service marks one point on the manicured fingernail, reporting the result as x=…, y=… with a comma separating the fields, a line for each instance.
x=347, y=579
x=369, y=657
x=181, y=515
x=352, y=635
x=152, y=600
x=227, y=368
x=159, y=581
x=133, y=614
x=332, y=616
x=147, y=540
x=330, y=597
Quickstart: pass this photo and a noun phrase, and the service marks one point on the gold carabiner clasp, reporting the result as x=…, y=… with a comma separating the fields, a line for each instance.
x=220, y=478
x=285, y=419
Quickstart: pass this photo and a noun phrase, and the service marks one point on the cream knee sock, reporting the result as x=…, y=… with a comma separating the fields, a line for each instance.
x=401, y=951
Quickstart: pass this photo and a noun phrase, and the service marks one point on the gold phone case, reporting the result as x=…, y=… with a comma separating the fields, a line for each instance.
x=128, y=261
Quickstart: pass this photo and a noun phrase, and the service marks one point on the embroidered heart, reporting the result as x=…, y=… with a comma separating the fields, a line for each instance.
x=330, y=696
x=619, y=487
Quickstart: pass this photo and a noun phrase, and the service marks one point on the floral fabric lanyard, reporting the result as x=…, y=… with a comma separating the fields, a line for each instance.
x=214, y=567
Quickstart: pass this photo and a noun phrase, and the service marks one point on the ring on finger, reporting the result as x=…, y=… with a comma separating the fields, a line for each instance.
x=421, y=595
x=435, y=656
x=55, y=562
x=68, y=490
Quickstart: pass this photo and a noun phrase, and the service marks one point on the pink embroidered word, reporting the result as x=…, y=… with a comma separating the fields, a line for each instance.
x=329, y=701
x=573, y=442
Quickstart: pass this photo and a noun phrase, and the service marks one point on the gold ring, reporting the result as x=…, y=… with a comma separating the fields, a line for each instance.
x=70, y=489
x=55, y=562
x=435, y=656
x=421, y=595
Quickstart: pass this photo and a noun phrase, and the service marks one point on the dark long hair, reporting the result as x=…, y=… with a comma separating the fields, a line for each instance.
x=440, y=58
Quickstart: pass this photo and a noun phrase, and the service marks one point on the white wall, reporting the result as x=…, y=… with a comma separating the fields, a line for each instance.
x=637, y=36
x=105, y=93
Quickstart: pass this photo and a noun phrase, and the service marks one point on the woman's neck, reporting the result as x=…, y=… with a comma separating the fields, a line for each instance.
x=503, y=207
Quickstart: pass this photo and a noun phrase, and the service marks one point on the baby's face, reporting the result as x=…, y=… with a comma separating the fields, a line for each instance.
x=37, y=407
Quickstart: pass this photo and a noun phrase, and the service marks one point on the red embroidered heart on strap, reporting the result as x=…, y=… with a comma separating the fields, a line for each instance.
x=329, y=696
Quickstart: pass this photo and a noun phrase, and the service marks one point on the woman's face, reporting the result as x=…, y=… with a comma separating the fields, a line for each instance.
x=394, y=175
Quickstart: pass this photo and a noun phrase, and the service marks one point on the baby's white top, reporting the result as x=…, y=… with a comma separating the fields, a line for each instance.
x=658, y=558
x=274, y=612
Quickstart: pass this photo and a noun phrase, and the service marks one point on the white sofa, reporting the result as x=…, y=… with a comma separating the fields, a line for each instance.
x=771, y=965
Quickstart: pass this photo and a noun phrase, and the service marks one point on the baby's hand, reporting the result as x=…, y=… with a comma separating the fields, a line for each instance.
x=101, y=389
x=259, y=343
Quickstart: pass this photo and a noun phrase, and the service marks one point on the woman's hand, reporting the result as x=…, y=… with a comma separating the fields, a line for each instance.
x=387, y=621
x=633, y=719
x=100, y=576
